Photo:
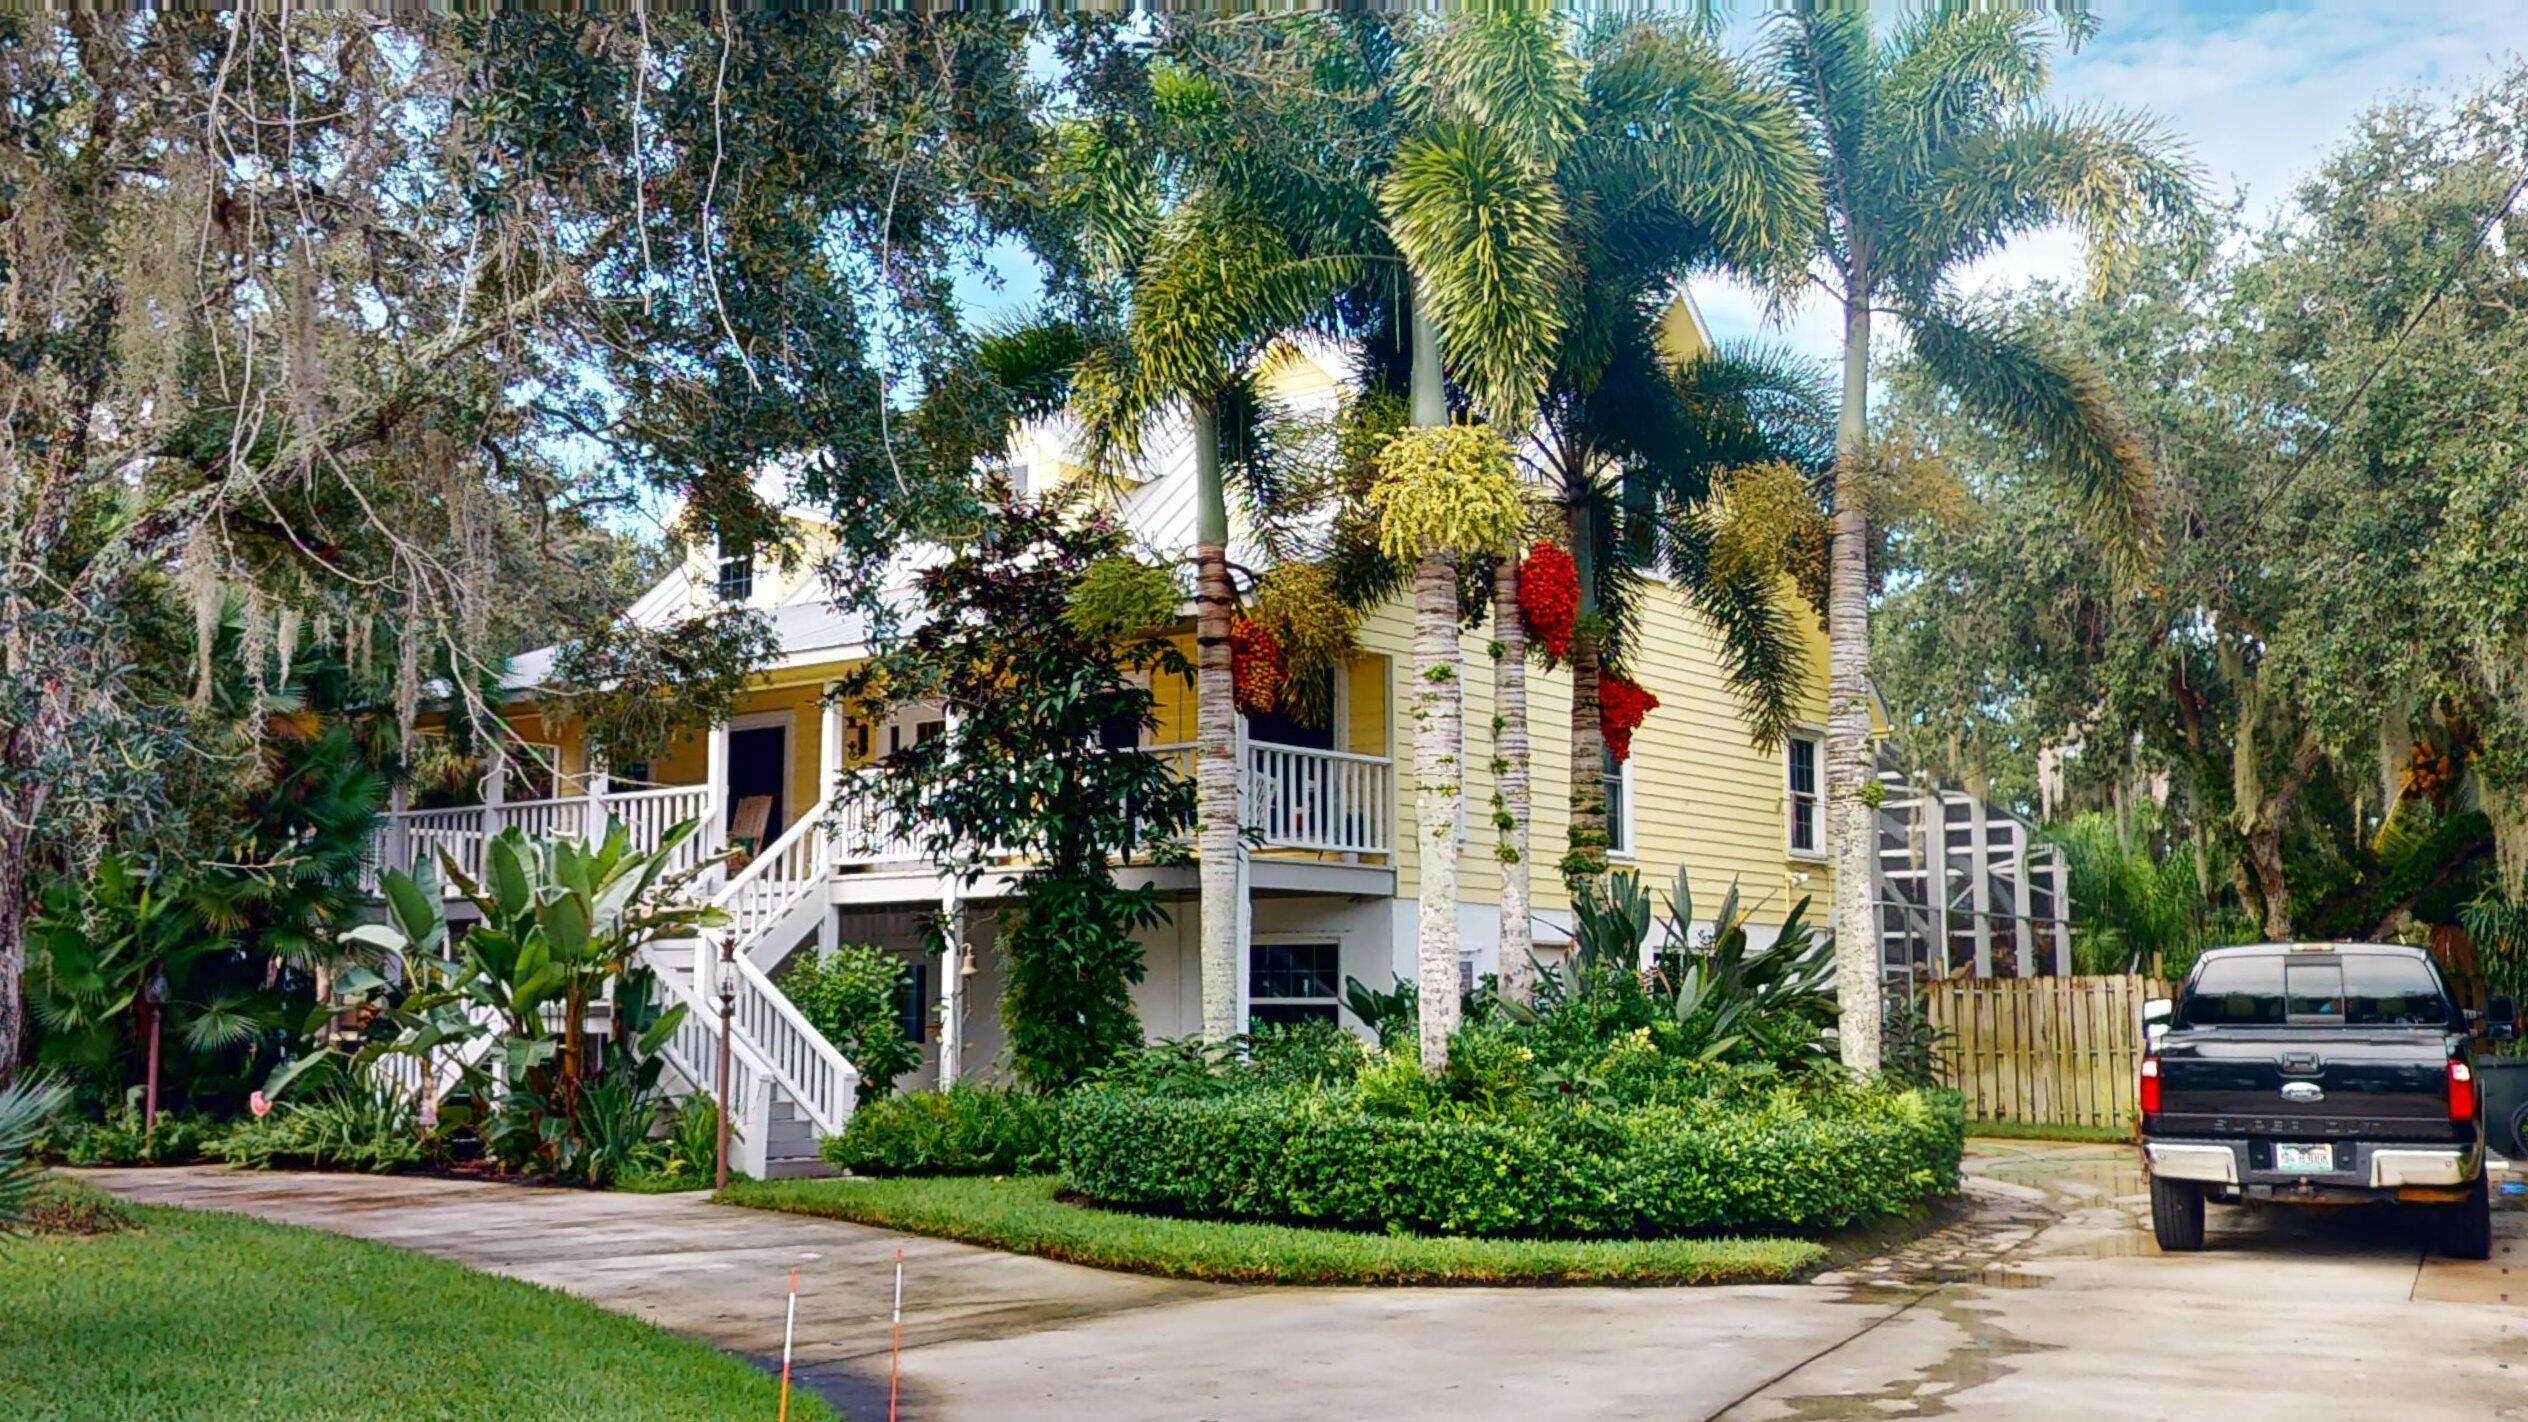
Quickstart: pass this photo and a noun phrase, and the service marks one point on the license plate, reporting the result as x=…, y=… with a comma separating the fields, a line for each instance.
x=2304, y=1159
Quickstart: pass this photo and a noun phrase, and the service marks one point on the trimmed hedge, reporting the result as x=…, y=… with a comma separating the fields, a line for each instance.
x=1304, y=1157
x=964, y=1130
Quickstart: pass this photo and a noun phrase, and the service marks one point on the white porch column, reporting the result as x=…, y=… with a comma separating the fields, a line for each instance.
x=395, y=849
x=2019, y=900
x=593, y=819
x=2062, y=882
x=715, y=776
x=1246, y=892
x=495, y=783
x=952, y=985
x=1979, y=857
x=829, y=747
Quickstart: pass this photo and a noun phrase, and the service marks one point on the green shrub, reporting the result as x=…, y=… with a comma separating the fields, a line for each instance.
x=118, y=1139
x=357, y=1125
x=57, y=1204
x=965, y=1130
x=1780, y=1159
x=855, y=996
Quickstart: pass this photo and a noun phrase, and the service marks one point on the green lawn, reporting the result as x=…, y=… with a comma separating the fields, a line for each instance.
x=2047, y=1131
x=1021, y=1214
x=201, y=1315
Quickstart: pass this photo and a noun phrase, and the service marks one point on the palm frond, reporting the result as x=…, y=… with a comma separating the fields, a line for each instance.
x=2061, y=404
x=26, y=1106
x=1512, y=71
x=1482, y=229
x=2105, y=175
x=1948, y=77
x=1032, y=360
x=1762, y=651
x=1825, y=57
x=1220, y=282
x=1701, y=163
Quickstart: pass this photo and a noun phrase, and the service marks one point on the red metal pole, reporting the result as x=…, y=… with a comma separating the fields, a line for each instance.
x=149, y=1106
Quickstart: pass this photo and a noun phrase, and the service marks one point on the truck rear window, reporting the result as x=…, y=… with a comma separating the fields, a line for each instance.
x=2331, y=989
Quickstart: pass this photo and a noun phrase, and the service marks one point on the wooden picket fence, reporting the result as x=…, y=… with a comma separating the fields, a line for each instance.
x=2064, y=1051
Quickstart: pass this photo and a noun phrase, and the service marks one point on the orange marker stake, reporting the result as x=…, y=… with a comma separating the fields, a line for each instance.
x=789, y=1329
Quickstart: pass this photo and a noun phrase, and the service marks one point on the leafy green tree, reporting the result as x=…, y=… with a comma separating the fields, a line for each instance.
x=1936, y=149
x=2312, y=668
x=1035, y=701
x=440, y=260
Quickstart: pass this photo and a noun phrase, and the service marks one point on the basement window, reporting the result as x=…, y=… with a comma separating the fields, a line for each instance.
x=1293, y=982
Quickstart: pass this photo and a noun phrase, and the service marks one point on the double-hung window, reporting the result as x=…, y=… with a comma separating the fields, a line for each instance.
x=737, y=571
x=1619, y=806
x=1804, y=770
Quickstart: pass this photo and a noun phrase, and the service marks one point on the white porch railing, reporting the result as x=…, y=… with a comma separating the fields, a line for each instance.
x=646, y=816
x=1292, y=797
x=1328, y=802
x=864, y=834
x=792, y=869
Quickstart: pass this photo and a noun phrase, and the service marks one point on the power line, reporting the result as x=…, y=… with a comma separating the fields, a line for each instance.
x=2483, y=233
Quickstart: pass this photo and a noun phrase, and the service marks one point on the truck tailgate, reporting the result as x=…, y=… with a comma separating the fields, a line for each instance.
x=2390, y=1085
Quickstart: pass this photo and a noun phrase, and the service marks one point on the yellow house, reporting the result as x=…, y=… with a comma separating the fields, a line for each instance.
x=1331, y=888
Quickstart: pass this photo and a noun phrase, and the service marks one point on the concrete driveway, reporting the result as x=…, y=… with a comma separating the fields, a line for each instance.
x=2049, y=1302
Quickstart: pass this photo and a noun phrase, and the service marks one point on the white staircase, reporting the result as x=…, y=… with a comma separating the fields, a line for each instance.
x=788, y=1087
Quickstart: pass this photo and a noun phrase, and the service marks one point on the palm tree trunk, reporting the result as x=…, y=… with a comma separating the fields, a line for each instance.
x=14, y=835
x=1587, y=858
x=1215, y=738
x=1510, y=775
x=1438, y=736
x=1850, y=831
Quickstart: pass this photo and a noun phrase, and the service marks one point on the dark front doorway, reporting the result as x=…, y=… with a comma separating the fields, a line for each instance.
x=757, y=765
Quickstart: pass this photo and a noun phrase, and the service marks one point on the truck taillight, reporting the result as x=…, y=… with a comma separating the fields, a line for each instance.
x=2461, y=1091
x=2150, y=1086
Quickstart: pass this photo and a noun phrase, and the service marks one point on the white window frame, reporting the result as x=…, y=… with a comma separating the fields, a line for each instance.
x=1342, y=953
x=1816, y=736
x=720, y=571
x=1622, y=841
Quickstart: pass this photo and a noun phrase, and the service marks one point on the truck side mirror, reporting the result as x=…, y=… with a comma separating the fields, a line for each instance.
x=2155, y=1014
x=2501, y=1019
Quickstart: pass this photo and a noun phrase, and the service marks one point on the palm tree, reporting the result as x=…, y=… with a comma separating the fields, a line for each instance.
x=1936, y=149
x=1220, y=284
x=1671, y=159
x=1490, y=106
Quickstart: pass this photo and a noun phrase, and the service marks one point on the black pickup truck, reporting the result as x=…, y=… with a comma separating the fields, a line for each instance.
x=2316, y=1074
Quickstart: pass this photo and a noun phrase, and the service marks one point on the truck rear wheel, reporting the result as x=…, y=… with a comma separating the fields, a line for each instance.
x=2466, y=1228
x=2177, y=1215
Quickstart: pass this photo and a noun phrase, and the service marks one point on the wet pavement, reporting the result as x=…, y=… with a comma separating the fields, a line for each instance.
x=2044, y=1299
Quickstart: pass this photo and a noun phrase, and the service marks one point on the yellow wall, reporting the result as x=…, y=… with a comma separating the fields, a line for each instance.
x=1703, y=797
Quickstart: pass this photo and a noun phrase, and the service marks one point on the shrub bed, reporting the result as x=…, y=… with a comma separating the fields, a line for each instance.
x=964, y=1130
x=1799, y=1160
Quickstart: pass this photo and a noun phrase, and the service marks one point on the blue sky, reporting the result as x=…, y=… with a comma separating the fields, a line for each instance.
x=2257, y=92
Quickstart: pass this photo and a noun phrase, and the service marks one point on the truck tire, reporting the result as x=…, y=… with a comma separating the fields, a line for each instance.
x=2466, y=1228
x=2177, y=1215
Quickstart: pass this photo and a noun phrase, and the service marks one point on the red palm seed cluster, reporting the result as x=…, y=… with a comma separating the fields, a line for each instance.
x=1622, y=707
x=1256, y=665
x=1549, y=598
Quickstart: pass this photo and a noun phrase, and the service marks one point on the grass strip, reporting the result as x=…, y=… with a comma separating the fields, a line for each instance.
x=207, y=1315
x=1023, y=1214
x=2048, y=1131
